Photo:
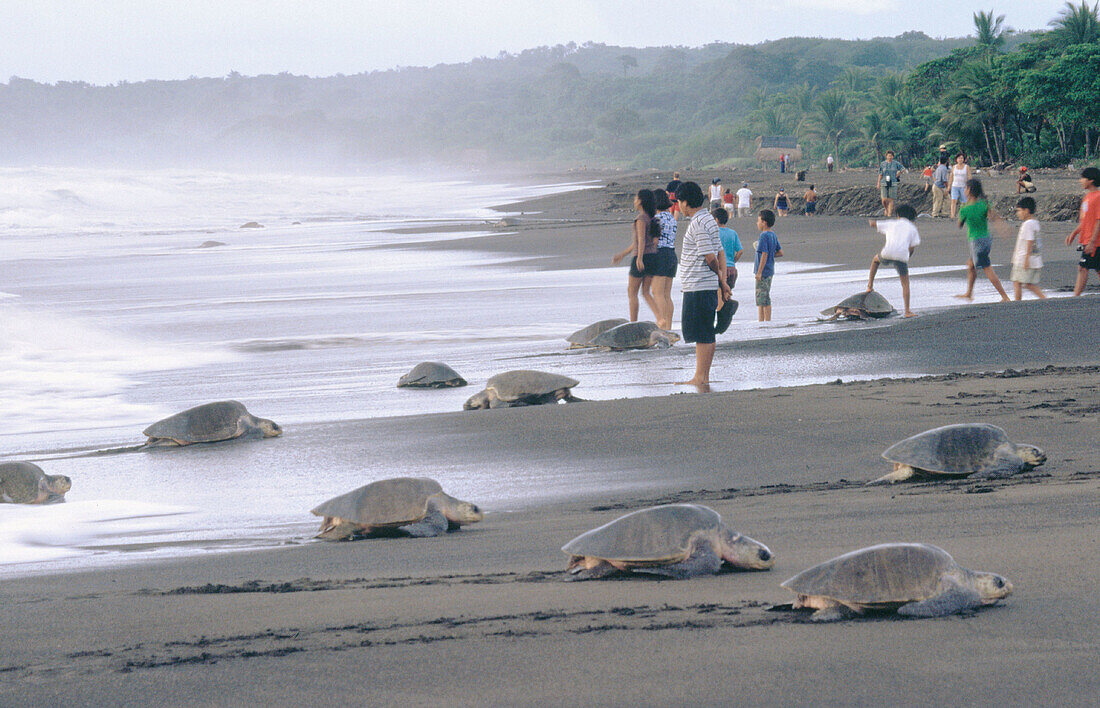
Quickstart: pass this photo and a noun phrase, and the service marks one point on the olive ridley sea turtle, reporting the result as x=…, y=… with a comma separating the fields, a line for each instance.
x=583, y=337
x=916, y=579
x=27, y=483
x=978, y=449
x=210, y=422
x=675, y=540
x=523, y=388
x=414, y=506
x=861, y=306
x=431, y=374
x=636, y=335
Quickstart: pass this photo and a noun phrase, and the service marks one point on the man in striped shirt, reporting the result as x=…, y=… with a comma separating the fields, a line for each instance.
x=702, y=270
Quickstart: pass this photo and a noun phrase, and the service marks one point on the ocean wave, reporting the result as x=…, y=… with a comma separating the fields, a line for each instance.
x=455, y=336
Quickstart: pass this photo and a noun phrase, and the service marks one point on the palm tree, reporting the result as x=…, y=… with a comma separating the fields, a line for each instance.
x=832, y=118
x=1077, y=25
x=853, y=80
x=990, y=30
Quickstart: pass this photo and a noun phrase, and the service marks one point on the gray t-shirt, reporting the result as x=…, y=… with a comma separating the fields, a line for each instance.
x=700, y=239
x=890, y=168
x=939, y=177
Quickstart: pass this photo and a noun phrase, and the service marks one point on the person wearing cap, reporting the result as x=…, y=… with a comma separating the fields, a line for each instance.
x=715, y=193
x=1024, y=185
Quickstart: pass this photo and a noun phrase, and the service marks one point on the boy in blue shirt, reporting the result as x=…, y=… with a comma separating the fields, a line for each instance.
x=731, y=246
x=767, y=250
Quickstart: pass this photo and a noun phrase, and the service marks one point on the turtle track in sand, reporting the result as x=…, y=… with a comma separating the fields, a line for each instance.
x=381, y=635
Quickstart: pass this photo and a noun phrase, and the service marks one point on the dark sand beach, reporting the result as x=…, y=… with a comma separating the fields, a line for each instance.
x=484, y=616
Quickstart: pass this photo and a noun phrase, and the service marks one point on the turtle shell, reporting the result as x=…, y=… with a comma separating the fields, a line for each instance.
x=431, y=374
x=874, y=304
x=583, y=337
x=888, y=573
x=514, y=385
x=206, y=423
x=387, y=502
x=19, y=481
x=952, y=449
x=657, y=534
x=632, y=335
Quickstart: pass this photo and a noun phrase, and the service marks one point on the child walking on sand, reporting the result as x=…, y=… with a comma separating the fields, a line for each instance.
x=975, y=216
x=901, y=240
x=767, y=250
x=1027, y=259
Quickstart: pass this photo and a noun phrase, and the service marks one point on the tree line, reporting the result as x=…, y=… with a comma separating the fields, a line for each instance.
x=1000, y=95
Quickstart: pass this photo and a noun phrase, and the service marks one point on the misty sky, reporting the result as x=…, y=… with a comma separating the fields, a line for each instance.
x=104, y=41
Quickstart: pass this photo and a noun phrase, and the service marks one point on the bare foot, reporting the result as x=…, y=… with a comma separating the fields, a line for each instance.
x=870, y=289
x=910, y=314
x=693, y=382
x=968, y=298
x=1006, y=299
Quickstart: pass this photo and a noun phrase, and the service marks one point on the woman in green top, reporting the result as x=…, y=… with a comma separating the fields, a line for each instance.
x=975, y=216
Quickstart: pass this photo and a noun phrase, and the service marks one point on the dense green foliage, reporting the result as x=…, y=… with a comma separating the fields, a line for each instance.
x=1000, y=96
x=1033, y=100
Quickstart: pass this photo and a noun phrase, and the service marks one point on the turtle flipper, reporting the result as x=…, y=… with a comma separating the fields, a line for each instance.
x=434, y=524
x=703, y=561
x=954, y=598
x=578, y=571
x=900, y=474
x=1004, y=464
x=832, y=613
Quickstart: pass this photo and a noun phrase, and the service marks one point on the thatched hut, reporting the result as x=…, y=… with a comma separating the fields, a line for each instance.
x=770, y=147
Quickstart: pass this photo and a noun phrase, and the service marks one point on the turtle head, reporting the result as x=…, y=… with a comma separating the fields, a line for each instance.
x=476, y=401
x=991, y=587
x=461, y=512
x=52, y=486
x=334, y=529
x=269, y=428
x=1032, y=455
x=743, y=552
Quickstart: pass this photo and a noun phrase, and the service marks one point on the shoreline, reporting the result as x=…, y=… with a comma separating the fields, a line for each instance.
x=484, y=615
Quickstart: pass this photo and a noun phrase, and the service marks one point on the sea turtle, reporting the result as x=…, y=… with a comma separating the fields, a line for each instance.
x=415, y=506
x=431, y=374
x=916, y=579
x=583, y=337
x=977, y=449
x=523, y=388
x=26, y=483
x=861, y=306
x=210, y=422
x=636, y=335
x=676, y=540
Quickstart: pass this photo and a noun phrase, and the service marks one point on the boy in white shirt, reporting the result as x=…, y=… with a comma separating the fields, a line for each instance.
x=1027, y=259
x=744, y=200
x=901, y=240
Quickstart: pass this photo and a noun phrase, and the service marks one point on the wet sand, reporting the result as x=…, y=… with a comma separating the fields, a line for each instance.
x=484, y=616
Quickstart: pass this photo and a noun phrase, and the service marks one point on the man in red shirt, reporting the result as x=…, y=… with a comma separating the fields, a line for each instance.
x=1088, y=228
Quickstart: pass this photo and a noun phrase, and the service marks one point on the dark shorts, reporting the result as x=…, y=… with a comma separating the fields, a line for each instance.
x=888, y=192
x=900, y=266
x=1090, y=262
x=664, y=263
x=634, y=272
x=811, y=207
x=979, y=251
x=649, y=260
x=697, y=317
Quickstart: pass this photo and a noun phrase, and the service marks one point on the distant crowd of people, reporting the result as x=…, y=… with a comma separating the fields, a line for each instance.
x=711, y=249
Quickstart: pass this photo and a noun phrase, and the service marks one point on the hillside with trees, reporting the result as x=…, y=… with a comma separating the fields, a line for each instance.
x=1000, y=95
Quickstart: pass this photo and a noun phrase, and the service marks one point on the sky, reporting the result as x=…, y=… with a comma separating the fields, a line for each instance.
x=106, y=41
